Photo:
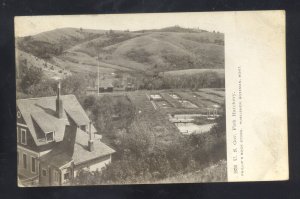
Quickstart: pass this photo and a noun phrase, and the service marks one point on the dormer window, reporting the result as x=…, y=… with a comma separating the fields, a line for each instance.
x=83, y=127
x=49, y=136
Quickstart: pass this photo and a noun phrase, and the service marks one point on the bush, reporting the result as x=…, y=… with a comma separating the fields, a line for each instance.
x=43, y=89
x=31, y=77
x=105, y=108
x=74, y=84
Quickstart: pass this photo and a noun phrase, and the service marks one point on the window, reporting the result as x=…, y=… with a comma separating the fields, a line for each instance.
x=56, y=176
x=33, y=165
x=25, y=161
x=44, y=172
x=67, y=176
x=83, y=127
x=23, y=136
x=49, y=137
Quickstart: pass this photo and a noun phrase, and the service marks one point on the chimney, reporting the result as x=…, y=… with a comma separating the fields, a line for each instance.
x=59, y=103
x=91, y=141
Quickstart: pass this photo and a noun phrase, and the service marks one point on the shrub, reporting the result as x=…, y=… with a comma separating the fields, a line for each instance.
x=31, y=76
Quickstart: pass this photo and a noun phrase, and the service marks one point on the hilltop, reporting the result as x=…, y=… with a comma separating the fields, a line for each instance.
x=166, y=49
x=174, y=29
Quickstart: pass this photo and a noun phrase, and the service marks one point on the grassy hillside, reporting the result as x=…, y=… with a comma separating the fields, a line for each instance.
x=73, y=35
x=219, y=72
x=213, y=173
x=166, y=49
x=50, y=70
x=53, y=43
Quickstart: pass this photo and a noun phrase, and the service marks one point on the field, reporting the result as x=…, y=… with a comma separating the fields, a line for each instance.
x=150, y=120
x=153, y=110
x=203, y=99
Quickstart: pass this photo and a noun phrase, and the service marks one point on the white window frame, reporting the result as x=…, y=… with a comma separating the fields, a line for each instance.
x=35, y=166
x=24, y=154
x=52, y=136
x=43, y=169
x=23, y=130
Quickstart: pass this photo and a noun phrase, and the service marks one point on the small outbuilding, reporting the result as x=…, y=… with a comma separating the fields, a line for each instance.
x=106, y=86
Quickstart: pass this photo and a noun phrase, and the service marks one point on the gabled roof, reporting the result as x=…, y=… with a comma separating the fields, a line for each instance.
x=78, y=117
x=82, y=154
x=74, y=148
x=40, y=113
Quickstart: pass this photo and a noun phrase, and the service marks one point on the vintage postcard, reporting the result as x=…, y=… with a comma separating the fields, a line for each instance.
x=151, y=98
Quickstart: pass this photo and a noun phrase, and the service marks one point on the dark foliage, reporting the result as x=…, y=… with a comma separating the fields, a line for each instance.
x=209, y=79
x=30, y=76
x=138, y=161
x=110, y=113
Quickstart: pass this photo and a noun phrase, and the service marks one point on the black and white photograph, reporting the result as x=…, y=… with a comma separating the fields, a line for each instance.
x=148, y=99
x=119, y=100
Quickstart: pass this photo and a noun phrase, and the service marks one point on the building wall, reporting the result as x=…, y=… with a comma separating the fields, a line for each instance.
x=30, y=150
x=97, y=164
x=49, y=176
x=107, y=89
x=27, y=172
x=44, y=179
x=55, y=176
x=30, y=144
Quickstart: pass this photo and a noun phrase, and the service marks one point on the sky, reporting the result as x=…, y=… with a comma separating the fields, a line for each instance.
x=31, y=25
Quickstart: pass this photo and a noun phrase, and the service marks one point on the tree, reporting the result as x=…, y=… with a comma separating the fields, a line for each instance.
x=75, y=84
x=42, y=89
x=117, y=83
x=31, y=76
x=89, y=102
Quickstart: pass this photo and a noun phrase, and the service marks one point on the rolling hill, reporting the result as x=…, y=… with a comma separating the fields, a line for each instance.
x=167, y=49
x=50, y=70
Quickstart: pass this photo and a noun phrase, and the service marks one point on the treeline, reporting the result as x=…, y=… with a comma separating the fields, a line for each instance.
x=137, y=161
x=209, y=79
x=33, y=83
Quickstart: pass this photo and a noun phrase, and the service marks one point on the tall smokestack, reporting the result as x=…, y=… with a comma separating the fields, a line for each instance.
x=91, y=141
x=59, y=103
